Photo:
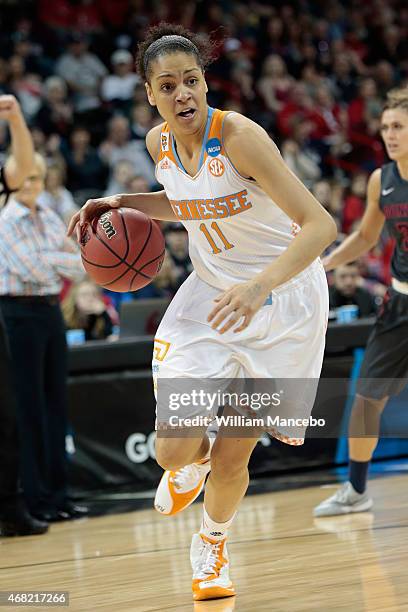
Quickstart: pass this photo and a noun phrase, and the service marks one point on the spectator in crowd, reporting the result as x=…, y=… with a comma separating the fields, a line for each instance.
x=27, y=87
x=329, y=196
x=83, y=71
x=55, y=115
x=49, y=148
x=84, y=308
x=346, y=290
x=4, y=87
x=354, y=202
x=141, y=121
x=137, y=184
x=118, y=88
x=87, y=174
x=35, y=255
x=177, y=246
x=14, y=516
x=275, y=83
x=119, y=146
x=56, y=196
x=122, y=174
x=299, y=155
x=343, y=78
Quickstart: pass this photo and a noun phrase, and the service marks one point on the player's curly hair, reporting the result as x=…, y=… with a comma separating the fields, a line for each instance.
x=397, y=98
x=168, y=38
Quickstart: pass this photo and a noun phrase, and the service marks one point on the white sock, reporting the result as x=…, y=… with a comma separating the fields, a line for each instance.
x=211, y=529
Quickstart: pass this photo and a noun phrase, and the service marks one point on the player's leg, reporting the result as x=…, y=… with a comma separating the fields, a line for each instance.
x=193, y=354
x=186, y=462
x=364, y=429
x=383, y=374
x=225, y=488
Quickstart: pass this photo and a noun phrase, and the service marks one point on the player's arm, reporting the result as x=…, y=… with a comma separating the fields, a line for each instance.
x=155, y=205
x=255, y=155
x=363, y=239
x=17, y=167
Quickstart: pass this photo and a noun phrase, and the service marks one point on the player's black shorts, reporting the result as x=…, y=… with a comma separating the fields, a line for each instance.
x=384, y=370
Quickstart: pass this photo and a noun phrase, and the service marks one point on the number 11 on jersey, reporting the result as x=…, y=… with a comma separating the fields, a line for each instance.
x=217, y=230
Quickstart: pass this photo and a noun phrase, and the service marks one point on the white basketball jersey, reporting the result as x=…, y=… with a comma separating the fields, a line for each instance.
x=235, y=229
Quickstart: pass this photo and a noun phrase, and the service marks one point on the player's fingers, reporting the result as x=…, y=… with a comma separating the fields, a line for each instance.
x=223, y=301
x=83, y=213
x=223, y=314
x=72, y=223
x=244, y=324
x=233, y=320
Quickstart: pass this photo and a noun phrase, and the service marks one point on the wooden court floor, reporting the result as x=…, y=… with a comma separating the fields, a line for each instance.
x=282, y=559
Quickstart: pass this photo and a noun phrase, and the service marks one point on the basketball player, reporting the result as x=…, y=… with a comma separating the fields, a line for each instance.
x=256, y=303
x=384, y=371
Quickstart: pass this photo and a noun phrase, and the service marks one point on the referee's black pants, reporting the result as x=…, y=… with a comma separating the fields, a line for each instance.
x=36, y=333
x=9, y=457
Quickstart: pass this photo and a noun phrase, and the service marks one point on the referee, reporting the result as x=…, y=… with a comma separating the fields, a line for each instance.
x=14, y=516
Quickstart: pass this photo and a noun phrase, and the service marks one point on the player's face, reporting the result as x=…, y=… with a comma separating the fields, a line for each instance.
x=394, y=130
x=178, y=88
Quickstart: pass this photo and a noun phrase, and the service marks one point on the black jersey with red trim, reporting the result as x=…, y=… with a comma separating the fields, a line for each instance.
x=394, y=205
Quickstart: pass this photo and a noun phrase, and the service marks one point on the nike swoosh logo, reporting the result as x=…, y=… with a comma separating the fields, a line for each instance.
x=386, y=192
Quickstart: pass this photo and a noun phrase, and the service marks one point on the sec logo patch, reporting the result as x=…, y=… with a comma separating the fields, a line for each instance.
x=216, y=167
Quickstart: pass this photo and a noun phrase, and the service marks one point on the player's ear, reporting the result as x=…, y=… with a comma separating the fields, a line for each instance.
x=205, y=83
x=150, y=95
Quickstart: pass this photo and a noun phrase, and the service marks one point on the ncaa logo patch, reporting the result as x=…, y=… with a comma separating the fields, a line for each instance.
x=213, y=147
x=216, y=167
x=165, y=141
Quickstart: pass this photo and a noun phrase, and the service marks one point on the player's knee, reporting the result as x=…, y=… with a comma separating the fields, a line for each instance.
x=170, y=457
x=225, y=467
x=370, y=403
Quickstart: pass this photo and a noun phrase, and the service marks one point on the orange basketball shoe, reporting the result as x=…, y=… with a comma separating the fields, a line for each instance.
x=177, y=490
x=210, y=563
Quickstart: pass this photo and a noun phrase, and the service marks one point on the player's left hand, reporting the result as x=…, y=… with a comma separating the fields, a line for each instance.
x=239, y=301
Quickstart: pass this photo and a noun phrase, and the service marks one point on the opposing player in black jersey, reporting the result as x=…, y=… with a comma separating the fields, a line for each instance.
x=384, y=371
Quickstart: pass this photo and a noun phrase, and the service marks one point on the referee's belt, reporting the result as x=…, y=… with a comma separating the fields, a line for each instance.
x=51, y=300
x=399, y=286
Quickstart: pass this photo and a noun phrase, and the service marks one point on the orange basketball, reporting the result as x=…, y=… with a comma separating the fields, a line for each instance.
x=122, y=250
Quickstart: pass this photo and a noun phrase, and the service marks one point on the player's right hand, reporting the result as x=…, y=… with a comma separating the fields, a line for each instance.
x=92, y=209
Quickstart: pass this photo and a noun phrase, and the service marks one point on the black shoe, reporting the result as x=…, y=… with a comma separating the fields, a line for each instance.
x=70, y=511
x=18, y=522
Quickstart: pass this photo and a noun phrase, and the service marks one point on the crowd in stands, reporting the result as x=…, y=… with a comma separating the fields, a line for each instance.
x=313, y=74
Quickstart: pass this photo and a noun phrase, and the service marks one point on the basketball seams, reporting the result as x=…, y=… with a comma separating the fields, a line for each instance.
x=130, y=266
x=122, y=261
x=137, y=272
x=146, y=264
x=126, y=232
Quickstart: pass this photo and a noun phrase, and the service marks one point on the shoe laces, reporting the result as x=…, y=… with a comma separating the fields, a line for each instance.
x=209, y=558
x=343, y=494
x=185, y=476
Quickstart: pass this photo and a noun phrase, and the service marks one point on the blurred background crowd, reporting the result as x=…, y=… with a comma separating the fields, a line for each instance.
x=313, y=74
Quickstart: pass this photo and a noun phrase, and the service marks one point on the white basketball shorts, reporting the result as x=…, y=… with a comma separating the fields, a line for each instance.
x=285, y=340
